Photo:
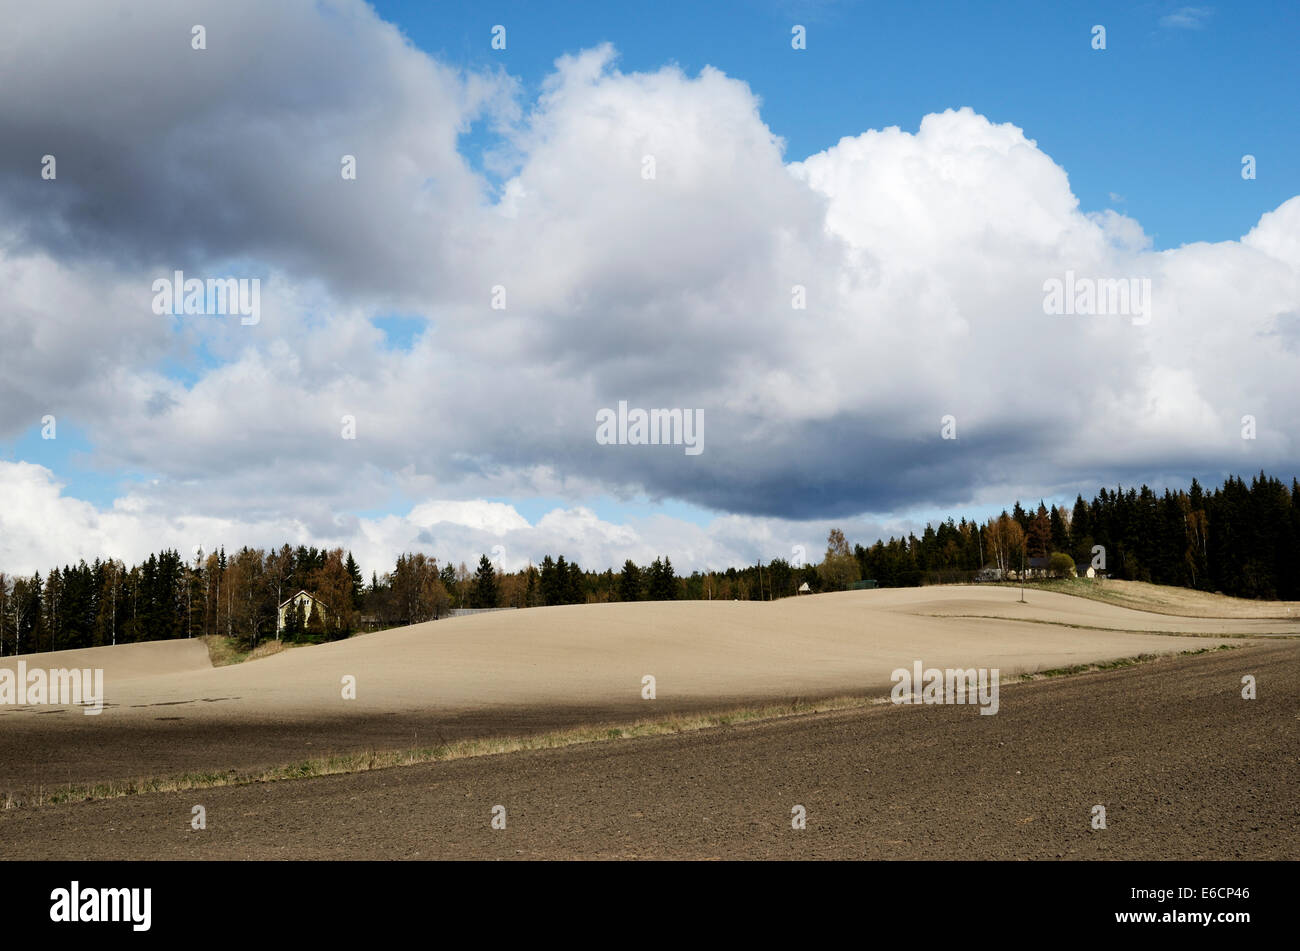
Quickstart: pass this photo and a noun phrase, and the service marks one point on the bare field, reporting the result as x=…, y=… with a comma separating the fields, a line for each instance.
x=1184, y=767
x=519, y=672
x=124, y=662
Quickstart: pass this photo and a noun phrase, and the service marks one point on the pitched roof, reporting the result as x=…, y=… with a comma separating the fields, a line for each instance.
x=292, y=598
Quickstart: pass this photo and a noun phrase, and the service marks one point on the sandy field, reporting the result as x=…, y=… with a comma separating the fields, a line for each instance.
x=519, y=672
x=125, y=661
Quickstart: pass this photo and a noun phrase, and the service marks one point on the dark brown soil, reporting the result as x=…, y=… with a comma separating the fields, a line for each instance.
x=87, y=750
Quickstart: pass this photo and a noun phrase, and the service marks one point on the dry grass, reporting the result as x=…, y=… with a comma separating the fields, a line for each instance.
x=1116, y=664
x=1218, y=636
x=224, y=651
x=1164, y=599
x=335, y=764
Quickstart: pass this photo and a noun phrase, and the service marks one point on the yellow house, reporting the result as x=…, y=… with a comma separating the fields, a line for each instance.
x=308, y=603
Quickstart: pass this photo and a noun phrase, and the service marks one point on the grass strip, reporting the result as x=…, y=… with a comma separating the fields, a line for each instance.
x=1280, y=635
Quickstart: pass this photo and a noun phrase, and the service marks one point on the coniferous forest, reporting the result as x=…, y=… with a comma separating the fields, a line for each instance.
x=1241, y=539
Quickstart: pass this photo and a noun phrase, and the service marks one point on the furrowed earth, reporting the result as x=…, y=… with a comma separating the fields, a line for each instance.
x=1185, y=767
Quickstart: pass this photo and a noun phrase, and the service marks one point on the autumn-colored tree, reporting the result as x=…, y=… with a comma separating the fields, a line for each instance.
x=435, y=602
x=279, y=574
x=1004, y=541
x=1039, y=540
x=334, y=586
x=252, y=611
x=513, y=589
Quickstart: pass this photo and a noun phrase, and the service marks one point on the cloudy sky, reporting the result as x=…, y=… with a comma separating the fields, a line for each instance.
x=630, y=208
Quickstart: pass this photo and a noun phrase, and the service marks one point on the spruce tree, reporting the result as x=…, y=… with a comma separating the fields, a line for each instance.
x=485, y=584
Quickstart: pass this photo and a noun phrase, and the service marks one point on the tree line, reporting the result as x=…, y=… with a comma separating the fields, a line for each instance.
x=165, y=597
x=1241, y=539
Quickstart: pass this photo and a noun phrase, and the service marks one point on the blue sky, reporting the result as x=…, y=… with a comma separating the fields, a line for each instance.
x=1160, y=118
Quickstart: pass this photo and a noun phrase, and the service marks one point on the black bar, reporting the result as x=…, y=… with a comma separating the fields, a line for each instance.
x=910, y=901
